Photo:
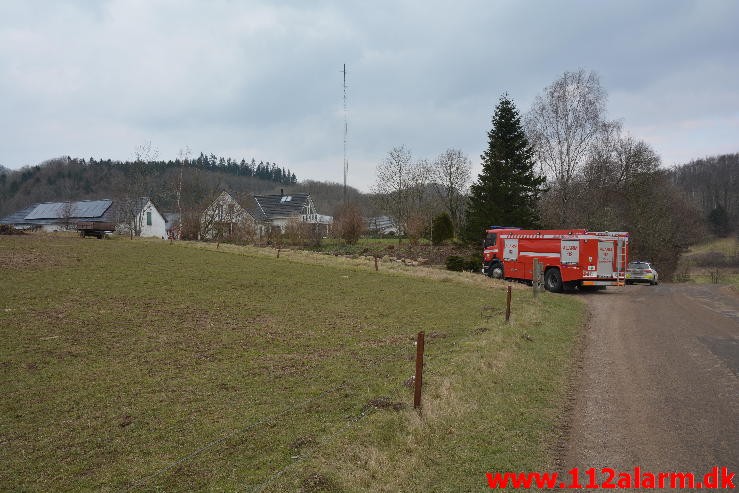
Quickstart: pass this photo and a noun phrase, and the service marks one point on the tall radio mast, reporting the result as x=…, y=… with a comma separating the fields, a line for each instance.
x=346, y=129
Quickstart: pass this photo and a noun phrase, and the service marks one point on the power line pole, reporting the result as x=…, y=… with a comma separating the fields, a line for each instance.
x=346, y=129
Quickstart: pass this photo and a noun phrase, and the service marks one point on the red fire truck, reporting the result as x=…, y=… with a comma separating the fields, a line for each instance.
x=570, y=258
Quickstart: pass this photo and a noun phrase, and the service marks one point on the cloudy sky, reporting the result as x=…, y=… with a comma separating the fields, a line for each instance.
x=263, y=79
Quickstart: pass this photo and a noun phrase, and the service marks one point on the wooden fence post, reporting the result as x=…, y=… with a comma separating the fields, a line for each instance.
x=419, y=371
x=508, y=305
x=537, y=278
x=375, y=263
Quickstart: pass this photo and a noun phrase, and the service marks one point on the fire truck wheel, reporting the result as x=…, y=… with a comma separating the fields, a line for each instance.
x=495, y=271
x=553, y=280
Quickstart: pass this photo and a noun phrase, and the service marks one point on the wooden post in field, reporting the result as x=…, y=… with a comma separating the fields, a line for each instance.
x=375, y=263
x=508, y=304
x=278, y=252
x=419, y=372
x=537, y=277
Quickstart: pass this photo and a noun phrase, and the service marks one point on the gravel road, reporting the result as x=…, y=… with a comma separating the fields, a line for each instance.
x=658, y=383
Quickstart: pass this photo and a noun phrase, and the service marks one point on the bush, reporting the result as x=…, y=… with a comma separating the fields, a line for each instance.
x=298, y=233
x=7, y=229
x=414, y=228
x=349, y=225
x=454, y=262
x=442, y=229
x=457, y=263
x=715, y=259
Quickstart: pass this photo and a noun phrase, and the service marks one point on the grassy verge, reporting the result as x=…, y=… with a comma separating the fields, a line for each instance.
x=142, y=365
x=713, y=262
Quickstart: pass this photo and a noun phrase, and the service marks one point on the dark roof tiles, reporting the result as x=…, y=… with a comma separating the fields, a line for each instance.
x=282, y=205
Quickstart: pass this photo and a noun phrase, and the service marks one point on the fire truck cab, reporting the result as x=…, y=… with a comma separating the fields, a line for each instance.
x=570, y=258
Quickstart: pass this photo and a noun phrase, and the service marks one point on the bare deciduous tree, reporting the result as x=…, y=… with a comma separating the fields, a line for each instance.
x=67, y=215
x=563, y=125
x=184, y=156
x=616, y=158
x=451, y=173
x=400, y=185
x=136, y=188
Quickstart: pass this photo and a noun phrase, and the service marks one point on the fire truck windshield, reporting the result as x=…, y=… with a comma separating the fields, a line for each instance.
x=490, y=239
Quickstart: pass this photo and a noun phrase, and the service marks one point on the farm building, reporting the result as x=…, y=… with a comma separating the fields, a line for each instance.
x=64, y=216
x=61, y=216
x=382, y=226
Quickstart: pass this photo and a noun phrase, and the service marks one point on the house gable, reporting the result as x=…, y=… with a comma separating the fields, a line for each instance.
x=223, y=216
x=152, y=222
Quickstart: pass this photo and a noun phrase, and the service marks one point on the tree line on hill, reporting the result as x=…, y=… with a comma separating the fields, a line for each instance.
x=68, y=178
x=712, y=185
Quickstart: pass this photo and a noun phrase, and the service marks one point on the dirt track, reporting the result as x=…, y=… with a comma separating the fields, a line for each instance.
x=658, y=385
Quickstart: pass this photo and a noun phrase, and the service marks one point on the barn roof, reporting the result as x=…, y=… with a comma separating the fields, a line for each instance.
x=18, y=216
x=56, y=212
x=60, y=210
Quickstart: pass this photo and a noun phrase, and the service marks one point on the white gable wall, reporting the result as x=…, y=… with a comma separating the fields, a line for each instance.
x=157, y=228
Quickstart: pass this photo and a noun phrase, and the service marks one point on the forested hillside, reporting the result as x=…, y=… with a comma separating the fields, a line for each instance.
x=202, y=178
x=712, y=185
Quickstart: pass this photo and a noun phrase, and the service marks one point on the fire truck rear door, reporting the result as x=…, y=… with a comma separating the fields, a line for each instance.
x=570, y=252
x=605, y=259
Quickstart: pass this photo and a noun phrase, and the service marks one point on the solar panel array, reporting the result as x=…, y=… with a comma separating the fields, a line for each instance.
x=60, y=210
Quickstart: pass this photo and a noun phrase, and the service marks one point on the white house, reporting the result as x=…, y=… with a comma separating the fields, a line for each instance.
x=279, y=210
x=151, y=222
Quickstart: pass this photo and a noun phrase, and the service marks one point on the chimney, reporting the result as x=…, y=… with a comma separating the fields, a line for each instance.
x=282, y=192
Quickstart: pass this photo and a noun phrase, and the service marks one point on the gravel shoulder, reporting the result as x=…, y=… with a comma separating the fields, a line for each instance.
x=658, y=383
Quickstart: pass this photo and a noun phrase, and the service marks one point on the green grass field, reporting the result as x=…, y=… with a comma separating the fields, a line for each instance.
x=140, y=365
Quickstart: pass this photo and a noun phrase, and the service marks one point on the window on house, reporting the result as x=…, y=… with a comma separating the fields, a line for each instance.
x=148, y=218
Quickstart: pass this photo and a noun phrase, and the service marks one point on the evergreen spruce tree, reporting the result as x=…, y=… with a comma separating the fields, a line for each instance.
x=506, y=191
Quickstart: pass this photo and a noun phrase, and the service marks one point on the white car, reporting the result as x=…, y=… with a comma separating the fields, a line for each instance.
x=640, y=271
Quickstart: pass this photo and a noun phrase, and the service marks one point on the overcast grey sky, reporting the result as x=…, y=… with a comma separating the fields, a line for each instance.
x=263, y=79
